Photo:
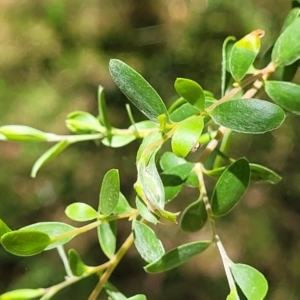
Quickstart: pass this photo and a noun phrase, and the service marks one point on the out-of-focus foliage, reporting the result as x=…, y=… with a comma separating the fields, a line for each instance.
x=53, y=55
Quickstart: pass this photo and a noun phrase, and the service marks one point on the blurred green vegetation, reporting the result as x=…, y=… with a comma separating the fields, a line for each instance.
x=53, y=55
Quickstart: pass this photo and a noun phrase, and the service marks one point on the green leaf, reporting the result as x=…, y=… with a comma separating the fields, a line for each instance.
x=177, y=256
x=137, y=90
x=285, y=94
x=186, y=136
x=145, y=212
x=122, y=206
x=109, y=193
x=243, y=54
x=146, y=242
x=233, y=295
x=3, y=228
x=194, y=217
x=113, y=292
x=183, y=112
x=230, y=187
x=25, y=242
x=22, y=294
x=292, y=15
x=107, y=238
x=81, y=212
x=117, y=141
x=23, y=133
x=54, y=230
x=83, y=122
x=103, y=115
x=252, y=283
x=169, y=160
x=76, y=264
x=262, y=173
x=138, y=297
x=140, y=126
x=248, y=115
x=287, y=47
x=48, y=155
x=191, y=91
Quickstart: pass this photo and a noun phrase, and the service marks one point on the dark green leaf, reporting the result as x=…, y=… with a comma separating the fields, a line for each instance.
x=145, y=212
x=49, y=155
x=25, y=242
x=191, y=91
x=103, y=115
x=109, y=193
x=194, y=217
x=23, y=133
x=262, y=173
x=76, y=264
x=248, y=115
x=23, y=294
x=177, y=256
x=183, y=112
x=252, y=283
x=186, y=136
x=243, y=54
x=230, y=187
x=285, y=94
x=107, y=238
x=81, y=212
x=3, y=228
x=54, y=230
x=287, y=47
x=146, y=242
x=137, y=90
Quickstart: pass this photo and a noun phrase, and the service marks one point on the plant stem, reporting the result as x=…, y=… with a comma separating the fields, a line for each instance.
x=63, y=256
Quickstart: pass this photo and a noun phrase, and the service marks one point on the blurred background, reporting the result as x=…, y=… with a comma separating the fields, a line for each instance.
x=53, y=56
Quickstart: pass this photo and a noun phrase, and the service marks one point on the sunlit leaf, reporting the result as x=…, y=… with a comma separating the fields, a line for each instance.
x=137, y=90
x=186, y=136
x=287, y=47
x=107, y=238
x=252, y=283
x=76, y=264
x=176, y=257
x=248, y=115
x=122, y=206
x=109, y=193
x=81, y=212
x=3, y=228
x=285, y=94
x=230, y=187
x=292, y=15
x=169, y=160
x=25, y=242
x=23, y=294
x=146, y=242
x=117, y=141
x=49, y=155
x=233, y=295
x=194, y=217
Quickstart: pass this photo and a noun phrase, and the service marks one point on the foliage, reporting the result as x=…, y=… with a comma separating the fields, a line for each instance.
x=196, y=121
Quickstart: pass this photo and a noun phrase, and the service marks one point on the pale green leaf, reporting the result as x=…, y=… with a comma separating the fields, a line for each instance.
x=23, y=294
x=81, y=212
x=107, y=238
x=76, y=264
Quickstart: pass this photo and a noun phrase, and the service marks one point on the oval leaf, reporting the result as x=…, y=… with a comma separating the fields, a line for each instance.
x=186, y=136
x=25, y=242
x=109, y=193
x=107, y=238
x=146, y=242
x=291, y=17
x=177, y=256
x=252, y=282
x=230, y=187
x=169, y=160
x=243, y=54
x=137, y=90
x=76, y=264
x=117, y=141
x=194, y=217
x=262, y=173
x=248, y=115
x=285, y=94
x=182, y=112
x=22, y=294
x=81, y=212
x=287, y=47
x=191, y=91
x=3, y=228
x=145, y=212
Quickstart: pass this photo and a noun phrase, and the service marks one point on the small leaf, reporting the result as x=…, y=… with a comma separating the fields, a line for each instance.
x=183, y=112
x=233, y=295
x=76, y=264
x=22, y=294
x=122, y=206
x=176, y=257
x=191, y=91
x=292, y=15
x=169, y=160
x=103, y=115
x=252, y=283
x=262, y=173
x=285, y=94
x=113, y=292
x=25, y=242
x=139, y=126
x=287, y=47
x=186, y=136
x=194, y=217
x=54, y=230
x=81, y=212
x=83, y=122
x=3, y=228
x=109, y=193
x=137, y=90
x=146, y=242
x=107, y=238
x=145, y=212
x=117, y=141
x=138, y=297
x=243, y=54
x=230, y=187
x=248, y=115
x=23, y=133
x=48, y=155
